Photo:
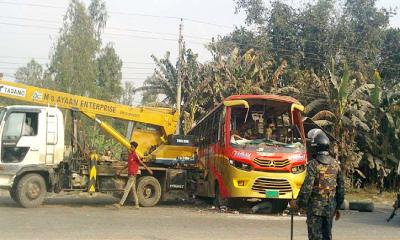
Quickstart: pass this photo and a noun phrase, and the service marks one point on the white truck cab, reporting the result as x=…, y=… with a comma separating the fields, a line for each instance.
x=32, y=140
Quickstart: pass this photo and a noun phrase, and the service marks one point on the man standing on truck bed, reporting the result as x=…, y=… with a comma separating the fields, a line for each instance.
x=133, y=169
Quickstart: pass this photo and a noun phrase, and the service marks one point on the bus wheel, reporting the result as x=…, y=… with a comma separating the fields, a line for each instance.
x=279, y=205
x=31, y=190
x=219, y=202
x=149, y=191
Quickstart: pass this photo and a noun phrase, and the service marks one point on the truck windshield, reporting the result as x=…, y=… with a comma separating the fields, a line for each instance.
x=266, y=127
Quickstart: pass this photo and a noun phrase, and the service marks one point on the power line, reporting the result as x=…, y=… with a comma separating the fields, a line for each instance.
x=138, y=62
x=111, y=34
x=110, y=28
x=122, y=13
x=14, y=63
x=106, y=33
x=138, y=73
x=25, y=63
x=124, y=62
x=26, y=25
x=20, y=57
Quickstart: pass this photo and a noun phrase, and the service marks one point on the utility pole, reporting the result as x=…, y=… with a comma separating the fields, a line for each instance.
x=179, y=80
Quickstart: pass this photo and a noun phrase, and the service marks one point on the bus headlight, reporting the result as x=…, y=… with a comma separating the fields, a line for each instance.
x=298, y=169
x=240, y=165
x=297, y=157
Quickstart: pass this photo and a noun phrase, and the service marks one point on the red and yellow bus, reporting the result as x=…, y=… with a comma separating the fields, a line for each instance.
x=252, y=147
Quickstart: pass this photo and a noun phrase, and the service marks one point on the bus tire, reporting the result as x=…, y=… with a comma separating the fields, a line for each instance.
x=279, y=205
x=31, y=190
x=148, y=191
x=219, y=202
x=362, y=206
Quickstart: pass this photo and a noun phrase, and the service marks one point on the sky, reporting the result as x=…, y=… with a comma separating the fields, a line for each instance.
x=138, y=29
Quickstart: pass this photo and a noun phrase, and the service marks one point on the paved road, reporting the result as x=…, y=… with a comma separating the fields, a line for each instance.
x=74, y=217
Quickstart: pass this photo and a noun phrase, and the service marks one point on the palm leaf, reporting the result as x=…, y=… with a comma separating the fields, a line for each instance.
x=315, y=104
x=344, y=86
x=376, y=91
x=287, y=90
x=323, y=123
x=357, y=122
x=358, y=92
x=324, y=115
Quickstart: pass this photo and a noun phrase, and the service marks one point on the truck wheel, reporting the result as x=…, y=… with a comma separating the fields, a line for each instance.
x=13, y=195
x=149, y=191
x=31, y=190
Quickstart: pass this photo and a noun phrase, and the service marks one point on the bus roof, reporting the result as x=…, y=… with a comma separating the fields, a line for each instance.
x=271, y=97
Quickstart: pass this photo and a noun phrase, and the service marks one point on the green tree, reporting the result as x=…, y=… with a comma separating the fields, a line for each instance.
x=317, y=29
x=31, y=74
x=360, y=34
x=343, y=110
x=109, y=74
x=128, y=94
x=390, y=58
x=73, y=64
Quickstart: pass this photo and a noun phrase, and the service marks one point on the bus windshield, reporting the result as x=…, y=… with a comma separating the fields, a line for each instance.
x=2, y=112
x=265, y=126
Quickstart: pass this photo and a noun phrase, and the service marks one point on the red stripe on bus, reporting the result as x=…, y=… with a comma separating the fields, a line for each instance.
x=222, y=188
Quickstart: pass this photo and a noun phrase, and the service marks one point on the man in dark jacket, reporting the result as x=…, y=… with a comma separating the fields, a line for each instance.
x=322, y=192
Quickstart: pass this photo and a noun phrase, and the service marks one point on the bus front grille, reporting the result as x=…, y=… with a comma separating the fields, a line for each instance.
x=272, y=163
x=262, y=184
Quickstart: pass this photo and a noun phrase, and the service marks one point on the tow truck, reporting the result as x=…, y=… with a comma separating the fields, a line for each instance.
x=35, y=160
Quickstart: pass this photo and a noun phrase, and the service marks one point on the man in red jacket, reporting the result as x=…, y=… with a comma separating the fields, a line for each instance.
x=133, y=170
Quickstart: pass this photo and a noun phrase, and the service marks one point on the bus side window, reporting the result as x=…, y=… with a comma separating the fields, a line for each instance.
x=208, y=131
x=214, y=129
x=220, y=135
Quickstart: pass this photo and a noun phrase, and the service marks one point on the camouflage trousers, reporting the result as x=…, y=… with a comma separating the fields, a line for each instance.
x=319, y=227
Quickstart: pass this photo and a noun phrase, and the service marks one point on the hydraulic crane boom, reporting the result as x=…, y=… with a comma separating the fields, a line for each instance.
x=33, y=144
x=162, y=117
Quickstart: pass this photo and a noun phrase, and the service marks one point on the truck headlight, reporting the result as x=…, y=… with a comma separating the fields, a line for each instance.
x=240, y=165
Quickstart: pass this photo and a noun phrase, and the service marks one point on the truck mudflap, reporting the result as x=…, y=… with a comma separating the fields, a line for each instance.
x=176, y=179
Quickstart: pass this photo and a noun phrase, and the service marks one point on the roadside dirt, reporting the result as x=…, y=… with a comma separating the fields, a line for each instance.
x=371, y=195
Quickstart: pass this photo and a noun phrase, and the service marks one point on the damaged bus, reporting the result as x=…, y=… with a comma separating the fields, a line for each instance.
x=252, y=148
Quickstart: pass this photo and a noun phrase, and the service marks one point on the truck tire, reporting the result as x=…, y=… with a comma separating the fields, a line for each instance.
x=31, y=190
x=362, y=206
x=148, y=191
x=13, y=195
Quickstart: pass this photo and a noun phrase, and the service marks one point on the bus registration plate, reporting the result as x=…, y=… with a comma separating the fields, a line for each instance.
x=272, y=193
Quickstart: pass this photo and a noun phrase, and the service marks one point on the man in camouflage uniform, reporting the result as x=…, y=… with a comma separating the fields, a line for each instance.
x=322, y=192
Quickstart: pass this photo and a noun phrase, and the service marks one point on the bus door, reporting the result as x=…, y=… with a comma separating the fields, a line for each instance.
x=202, y=188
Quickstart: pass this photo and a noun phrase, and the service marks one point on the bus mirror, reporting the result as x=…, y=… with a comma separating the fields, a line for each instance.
x=230, y=103
x=297, y=106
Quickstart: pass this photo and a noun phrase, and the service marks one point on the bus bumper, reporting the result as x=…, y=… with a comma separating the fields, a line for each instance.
x=254, y=184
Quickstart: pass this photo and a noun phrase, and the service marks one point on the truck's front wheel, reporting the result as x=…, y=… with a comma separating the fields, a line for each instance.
x=31, y=190
x=13, y=195
x=149, y=191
